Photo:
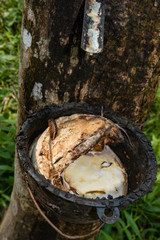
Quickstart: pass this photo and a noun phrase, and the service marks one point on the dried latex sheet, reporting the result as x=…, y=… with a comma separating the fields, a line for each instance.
x=73, y=153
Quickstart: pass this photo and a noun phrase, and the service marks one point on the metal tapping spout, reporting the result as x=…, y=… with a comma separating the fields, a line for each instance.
x=93, y=26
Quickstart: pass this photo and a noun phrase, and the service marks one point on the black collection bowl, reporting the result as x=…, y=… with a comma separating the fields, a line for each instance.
x=135, y=153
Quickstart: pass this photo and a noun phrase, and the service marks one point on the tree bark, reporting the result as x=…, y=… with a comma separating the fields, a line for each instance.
x=54, y=69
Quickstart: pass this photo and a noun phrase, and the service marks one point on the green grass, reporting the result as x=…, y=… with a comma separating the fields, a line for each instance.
x=140, y=220
x=10, y=25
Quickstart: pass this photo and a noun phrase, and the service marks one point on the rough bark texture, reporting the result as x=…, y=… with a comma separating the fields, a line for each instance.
x=53, y=69
x=124, y=77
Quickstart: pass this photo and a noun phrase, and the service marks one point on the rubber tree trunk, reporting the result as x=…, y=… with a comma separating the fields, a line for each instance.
x=54, y=69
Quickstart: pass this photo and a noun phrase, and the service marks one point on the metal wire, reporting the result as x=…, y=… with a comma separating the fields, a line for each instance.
x=56, y=228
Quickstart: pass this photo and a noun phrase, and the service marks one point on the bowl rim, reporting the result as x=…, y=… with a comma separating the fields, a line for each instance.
x=70, y=108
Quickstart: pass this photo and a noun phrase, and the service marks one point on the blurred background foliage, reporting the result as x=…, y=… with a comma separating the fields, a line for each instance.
x=140, y=220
